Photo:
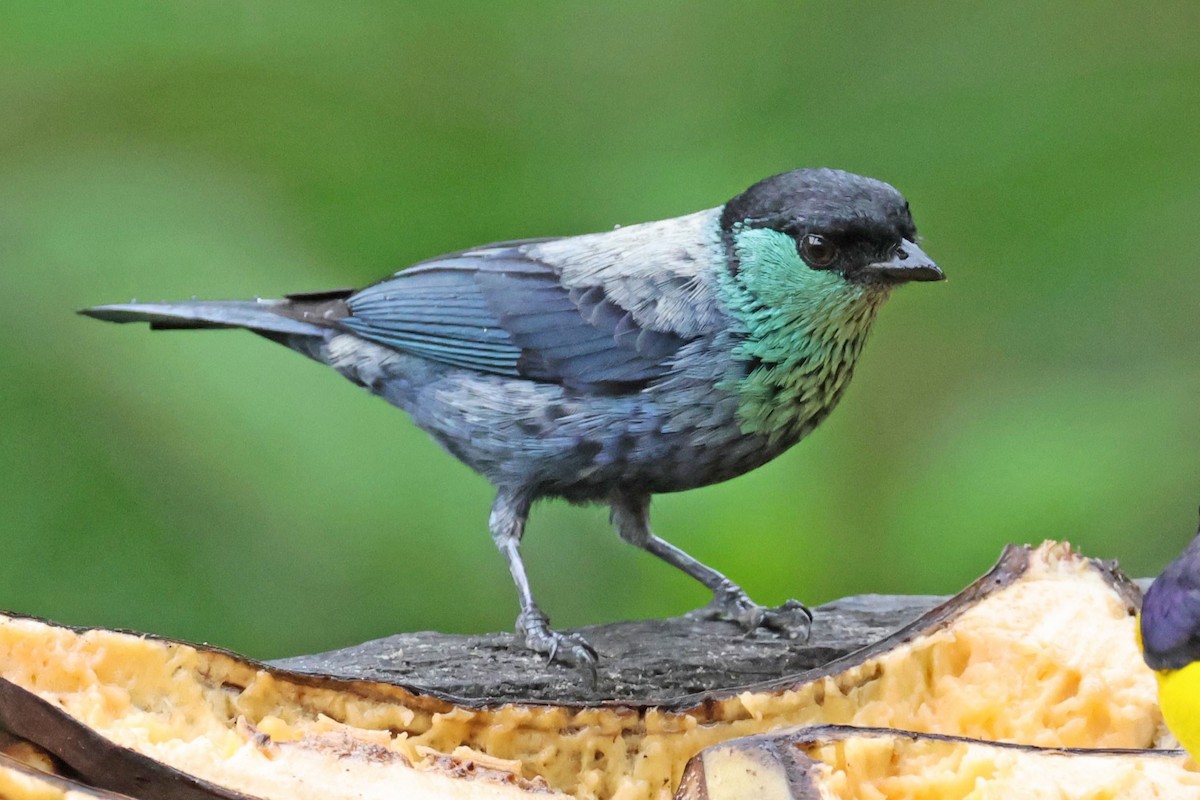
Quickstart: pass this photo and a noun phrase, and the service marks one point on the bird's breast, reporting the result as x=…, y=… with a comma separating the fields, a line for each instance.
x=1179, y=698
x=788, y=391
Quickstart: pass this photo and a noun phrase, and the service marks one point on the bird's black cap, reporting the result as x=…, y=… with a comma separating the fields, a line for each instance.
x=822, y=200
x=857, y=226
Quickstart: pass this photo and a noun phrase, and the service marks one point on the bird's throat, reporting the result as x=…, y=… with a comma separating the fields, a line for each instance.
x=803, y=330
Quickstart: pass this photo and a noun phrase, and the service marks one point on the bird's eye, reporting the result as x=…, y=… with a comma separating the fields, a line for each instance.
x=817, y=251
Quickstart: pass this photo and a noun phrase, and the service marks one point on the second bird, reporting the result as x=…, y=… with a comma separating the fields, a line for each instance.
x=613, y=366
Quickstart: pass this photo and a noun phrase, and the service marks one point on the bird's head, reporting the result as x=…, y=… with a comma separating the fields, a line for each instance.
x=809, y=257
x=849, y=230
x=1170, y=618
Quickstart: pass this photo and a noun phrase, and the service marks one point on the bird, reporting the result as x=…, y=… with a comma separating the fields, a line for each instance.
x=1169, y=633
x=609, y=367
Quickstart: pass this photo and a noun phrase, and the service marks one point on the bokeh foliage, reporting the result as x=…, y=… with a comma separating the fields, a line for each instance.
x=216, y=487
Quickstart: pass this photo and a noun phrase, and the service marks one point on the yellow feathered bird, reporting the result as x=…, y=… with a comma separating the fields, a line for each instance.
x=1170, y=634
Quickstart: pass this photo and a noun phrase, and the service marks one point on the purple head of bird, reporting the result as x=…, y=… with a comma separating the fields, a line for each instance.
x=1171, y=613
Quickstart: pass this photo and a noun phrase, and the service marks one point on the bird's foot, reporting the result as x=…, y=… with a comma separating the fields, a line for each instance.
x=731, y=603
x=566, y=648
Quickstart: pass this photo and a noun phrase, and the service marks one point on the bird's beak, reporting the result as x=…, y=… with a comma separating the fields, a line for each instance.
x=908, y=264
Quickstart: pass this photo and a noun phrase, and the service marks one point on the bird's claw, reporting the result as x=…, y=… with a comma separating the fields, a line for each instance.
x=570, y=649
x=792, y=620
x=730, y=603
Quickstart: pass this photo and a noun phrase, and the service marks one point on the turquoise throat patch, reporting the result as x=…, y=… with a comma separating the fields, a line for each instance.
x=803, y=328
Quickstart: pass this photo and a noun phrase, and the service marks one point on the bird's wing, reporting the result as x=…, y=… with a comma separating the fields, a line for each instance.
x=502, y=310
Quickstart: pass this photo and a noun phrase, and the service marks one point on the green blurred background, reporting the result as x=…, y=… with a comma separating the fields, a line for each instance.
x=215, y=487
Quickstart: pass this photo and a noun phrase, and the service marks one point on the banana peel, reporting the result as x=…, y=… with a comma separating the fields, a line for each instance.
x=1040, y=652
x=19, y=780
x=845, y=763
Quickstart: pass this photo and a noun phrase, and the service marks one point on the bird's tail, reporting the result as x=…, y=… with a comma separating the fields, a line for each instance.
x=272, y=318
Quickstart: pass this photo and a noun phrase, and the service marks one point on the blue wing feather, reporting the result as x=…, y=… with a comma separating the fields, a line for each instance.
x=496, y=311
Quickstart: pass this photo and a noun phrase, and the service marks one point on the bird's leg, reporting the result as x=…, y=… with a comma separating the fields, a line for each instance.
x=631, y=517
x=507, y=523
